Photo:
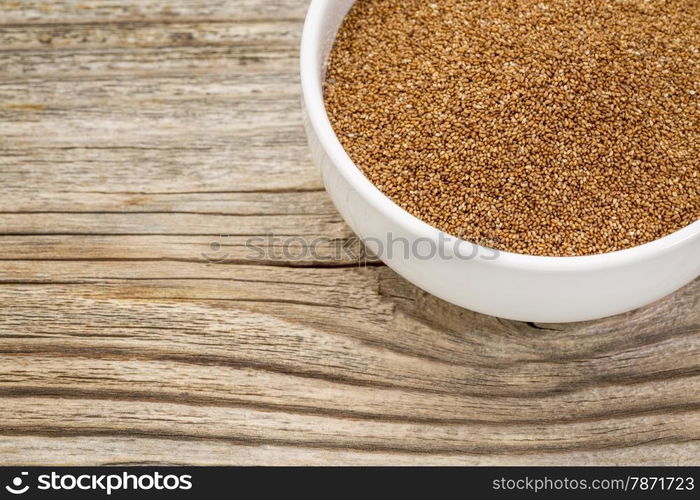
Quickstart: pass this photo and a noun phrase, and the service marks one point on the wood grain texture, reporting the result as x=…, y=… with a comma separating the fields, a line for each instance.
x=142, y=145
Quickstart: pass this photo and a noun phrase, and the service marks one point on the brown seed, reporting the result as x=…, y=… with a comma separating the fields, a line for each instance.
x=544, y=127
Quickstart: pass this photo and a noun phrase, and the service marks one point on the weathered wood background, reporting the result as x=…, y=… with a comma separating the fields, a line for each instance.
x=132, y=135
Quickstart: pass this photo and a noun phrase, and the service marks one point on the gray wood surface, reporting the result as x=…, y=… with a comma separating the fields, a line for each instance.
x=133, y=135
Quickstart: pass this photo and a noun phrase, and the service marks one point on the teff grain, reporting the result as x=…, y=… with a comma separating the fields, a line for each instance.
x=543, y=127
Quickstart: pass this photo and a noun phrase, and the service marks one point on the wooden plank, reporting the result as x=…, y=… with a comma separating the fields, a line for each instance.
x=368, y=340
x=247, y=425
x=126, y=451
x=231, y=385
x=112, y=11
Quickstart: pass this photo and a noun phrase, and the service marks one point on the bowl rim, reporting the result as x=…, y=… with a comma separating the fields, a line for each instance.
x=312, y=91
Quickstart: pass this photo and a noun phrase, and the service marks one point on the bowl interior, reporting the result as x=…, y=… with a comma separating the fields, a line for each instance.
x=322, y=24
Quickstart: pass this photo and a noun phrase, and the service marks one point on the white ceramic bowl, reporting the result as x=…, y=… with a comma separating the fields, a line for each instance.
x=520, y=287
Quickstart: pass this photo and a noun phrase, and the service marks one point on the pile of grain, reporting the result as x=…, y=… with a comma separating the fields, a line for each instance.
x=544, y=127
